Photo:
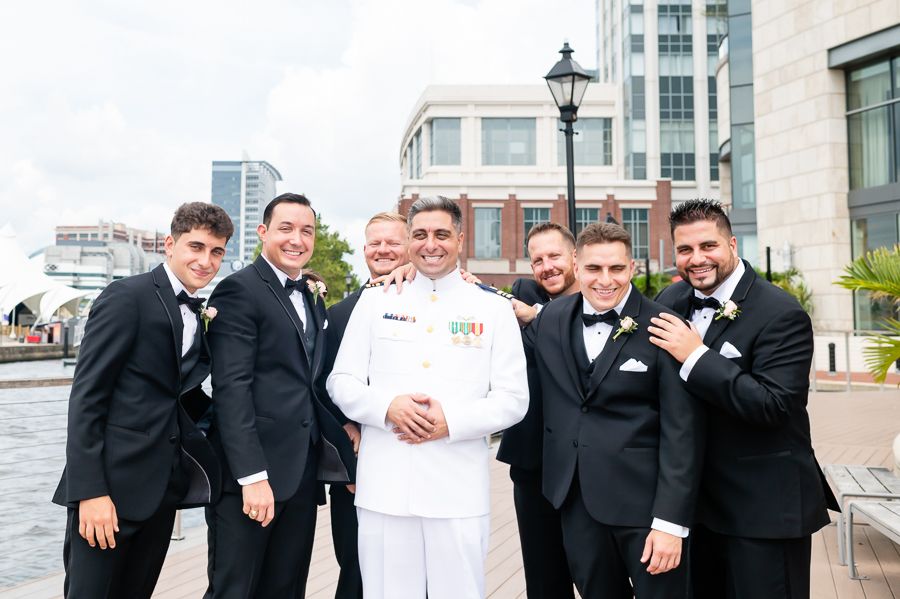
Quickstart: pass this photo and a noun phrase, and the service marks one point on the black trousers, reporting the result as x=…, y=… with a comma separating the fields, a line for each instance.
x=602, y=558
x=726, y=567
x=540, y=534
x=131, y=569
x=345, y=534
x=248, y=561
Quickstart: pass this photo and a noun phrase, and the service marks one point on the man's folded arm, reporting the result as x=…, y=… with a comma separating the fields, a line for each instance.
x=233, y=342
x=109, y=334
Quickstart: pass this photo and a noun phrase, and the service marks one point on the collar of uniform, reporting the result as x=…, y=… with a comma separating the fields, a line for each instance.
x=282, y=276
x=726, y=289
x=445, y=283
x=587, y=308
x=177, y=285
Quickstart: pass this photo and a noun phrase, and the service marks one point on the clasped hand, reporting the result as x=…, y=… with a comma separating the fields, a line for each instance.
x=417, y=418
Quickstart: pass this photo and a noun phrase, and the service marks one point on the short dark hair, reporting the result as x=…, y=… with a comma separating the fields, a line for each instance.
x=603, y=233
x=436, y=203
x=694, y=211
x=285, y=198
x=200, y=215
x=551, y=226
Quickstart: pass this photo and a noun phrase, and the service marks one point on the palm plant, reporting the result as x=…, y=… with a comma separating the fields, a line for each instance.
x=878, y=273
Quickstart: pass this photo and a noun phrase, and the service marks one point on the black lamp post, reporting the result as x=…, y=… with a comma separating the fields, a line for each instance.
x=568, y=82
x=348, y=278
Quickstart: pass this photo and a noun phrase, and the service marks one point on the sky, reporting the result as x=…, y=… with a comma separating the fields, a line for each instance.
x=115, y=111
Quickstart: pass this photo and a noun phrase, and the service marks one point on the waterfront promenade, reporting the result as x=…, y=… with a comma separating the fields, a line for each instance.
x=854, y=428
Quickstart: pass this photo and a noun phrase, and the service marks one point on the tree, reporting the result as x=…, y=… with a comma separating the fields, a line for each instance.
x=793, y=282
x=328, y=261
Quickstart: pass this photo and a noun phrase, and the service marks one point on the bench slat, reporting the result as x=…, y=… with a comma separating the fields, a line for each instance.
x=887, y=478
x=882, y=515
x=842, y=479
x=867, y=480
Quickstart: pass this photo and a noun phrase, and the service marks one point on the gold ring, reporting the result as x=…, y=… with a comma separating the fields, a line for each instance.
x=253, y=514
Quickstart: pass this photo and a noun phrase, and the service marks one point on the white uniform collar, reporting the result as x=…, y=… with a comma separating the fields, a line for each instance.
x=177, y=285
x=445, y=283
x=726, y=289
x=282, y=276
x=587, y=308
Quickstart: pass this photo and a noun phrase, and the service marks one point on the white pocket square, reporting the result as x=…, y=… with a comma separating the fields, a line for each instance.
x=325, y=326
x=633, y=365
x=729, y=351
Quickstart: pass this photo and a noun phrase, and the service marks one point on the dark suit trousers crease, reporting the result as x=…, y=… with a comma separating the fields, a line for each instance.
x=248, y=561
x=726, y=567
x=345, y=534
x=540, y=534
x=131, y=569
x=602, y=557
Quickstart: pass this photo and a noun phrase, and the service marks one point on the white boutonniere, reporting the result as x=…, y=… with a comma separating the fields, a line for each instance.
x=207, y=314
x=316, y=289
x=728, y=310
x=626, y=325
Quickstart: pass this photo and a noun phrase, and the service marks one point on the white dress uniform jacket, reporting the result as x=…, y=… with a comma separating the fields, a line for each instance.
x=404, y=343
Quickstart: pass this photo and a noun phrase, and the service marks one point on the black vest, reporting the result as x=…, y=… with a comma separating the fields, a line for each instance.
x=192, y=357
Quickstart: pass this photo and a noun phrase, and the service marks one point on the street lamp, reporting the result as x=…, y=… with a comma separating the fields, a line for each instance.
x=348, y=278
x=609, y=219
x=568, y=82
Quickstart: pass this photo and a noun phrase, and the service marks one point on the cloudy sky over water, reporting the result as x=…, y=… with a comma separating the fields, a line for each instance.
x=116, y=110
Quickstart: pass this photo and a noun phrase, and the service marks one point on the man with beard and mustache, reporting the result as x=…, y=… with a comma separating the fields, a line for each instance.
x=762, y=492
x=551, y=247
x=387, y=248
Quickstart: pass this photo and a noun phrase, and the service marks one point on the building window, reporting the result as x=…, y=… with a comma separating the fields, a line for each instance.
x=59, y=236
x=592, y=146
x=530, y=218
x=445, y=141
x=93, y=236
x=743, y=167
x=585, y=217
x=508, y=142
x=418, y=140
x=487, y=232
x=873, y=136
x=637, y=222
x=869, y=234
x=677, y=150
x=713, y=151
x=748, y=248
x=410, y=160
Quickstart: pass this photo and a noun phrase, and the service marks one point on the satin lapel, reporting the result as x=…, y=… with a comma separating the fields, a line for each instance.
x=166, y=295
x=565, y=335
x=275, y=286
x=717, y=327
x=317, y=308
x=613, y=347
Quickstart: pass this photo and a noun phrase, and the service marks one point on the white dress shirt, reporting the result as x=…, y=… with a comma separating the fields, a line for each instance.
x=595, y=338
x=703, y=318
x=296, y=299
x=188, y=317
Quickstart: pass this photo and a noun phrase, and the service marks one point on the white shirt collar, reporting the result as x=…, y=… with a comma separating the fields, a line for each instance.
x=282, y=276
x=587, y=308
x=177, y=285
x=726, y=289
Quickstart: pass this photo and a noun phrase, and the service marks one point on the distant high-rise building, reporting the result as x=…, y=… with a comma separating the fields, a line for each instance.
x=242, y=188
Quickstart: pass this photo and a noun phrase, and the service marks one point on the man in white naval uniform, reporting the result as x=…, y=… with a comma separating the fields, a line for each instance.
x=443, y=362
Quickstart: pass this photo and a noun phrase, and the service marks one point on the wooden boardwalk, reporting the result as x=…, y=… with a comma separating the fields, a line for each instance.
x=854, y=428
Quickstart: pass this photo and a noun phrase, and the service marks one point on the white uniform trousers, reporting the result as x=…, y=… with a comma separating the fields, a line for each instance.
x=400, y=555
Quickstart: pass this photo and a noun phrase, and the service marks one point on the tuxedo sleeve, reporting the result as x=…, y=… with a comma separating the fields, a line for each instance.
x=681, y=445
x=507, y=401
x=109, y=334
x=777, y=383
x=233, y=342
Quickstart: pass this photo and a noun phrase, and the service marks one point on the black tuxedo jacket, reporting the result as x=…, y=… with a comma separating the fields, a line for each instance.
x=760, y=476
x=129, y=412
x=635, y=437
x=265, y=393
x=522, y=444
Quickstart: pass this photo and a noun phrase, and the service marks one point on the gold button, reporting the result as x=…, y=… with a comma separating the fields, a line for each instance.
x=430, y=329
x=434, y=298
x=426, y=363
x=395, y=333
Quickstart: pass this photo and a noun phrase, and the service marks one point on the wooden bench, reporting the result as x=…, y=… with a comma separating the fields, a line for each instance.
x=883, y=516
x=873, y=482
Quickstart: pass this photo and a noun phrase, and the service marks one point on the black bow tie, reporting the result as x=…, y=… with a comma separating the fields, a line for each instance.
x=705, y=302
x=290, y=284
x=194, y=303
x=609, y=317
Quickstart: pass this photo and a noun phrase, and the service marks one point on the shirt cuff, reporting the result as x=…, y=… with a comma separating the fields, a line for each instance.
x=538, y=307
x=669, y=528
x=253, y=478
x=691, y=361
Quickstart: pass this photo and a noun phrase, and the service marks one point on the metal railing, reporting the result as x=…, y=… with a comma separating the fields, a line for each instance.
x=848, y=336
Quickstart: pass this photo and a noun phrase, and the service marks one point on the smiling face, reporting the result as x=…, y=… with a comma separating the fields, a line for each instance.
x=195, y=257
x=434, y=245
x=288, y=241
x=703, y=255
x=604, y=272
x=552, y=263
x=387, y=247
